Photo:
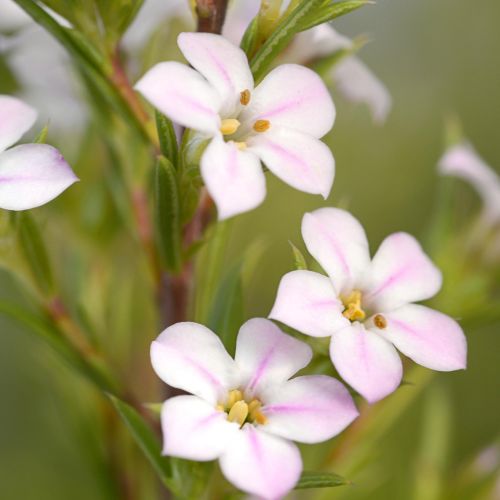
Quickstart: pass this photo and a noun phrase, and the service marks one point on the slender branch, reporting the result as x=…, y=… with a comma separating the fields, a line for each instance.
x=211, y=15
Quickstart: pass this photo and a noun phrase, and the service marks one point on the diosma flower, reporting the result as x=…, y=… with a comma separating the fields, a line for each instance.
x=279, y=122
x=462, y=161
x=367, y=306
x=30, y=174
x=246, y=411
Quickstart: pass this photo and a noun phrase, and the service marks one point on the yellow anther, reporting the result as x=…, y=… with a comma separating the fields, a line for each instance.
x=241, y=145
x=233, y=397
x=245, y=97
x=220, y=407
x=238, y=412
x=380, y=321
x=261, y=125
x=229, y=126
x=353, y=310
x=254, y=413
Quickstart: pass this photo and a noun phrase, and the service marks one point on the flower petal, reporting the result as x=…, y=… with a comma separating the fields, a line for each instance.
x=358, y=84
x=294, y=97
x=223, y=64
x=338, y=242
x=191, y=357
x=464, y=162
x=233, y=178
x=261, y=464
x=400, y=273
x=367, y=362
x=307, y=301
x=194, y=429
x=266, y=355
x=300, y=160
x=308, y=409
x=183, y=95
x=32, y=175
x=429, y=337
x=16, y=118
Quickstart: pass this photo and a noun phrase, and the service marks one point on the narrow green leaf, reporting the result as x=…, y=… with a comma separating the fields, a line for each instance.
x=331, y=12
x=249, y=37
x=168, y=139
x=227, y=313
x=168, y=214
x=145, y=437
x=35, y=253
x=298, y=258
x=41, y=138
x=320, y=480
x=281, y=37
x=49, y=334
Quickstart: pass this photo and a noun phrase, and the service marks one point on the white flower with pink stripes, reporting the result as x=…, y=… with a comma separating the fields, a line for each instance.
x=30, y=174
x=278, y=122
x=246, y=412
x=366, y=306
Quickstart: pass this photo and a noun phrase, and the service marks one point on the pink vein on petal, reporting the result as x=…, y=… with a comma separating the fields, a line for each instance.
x=261, y=368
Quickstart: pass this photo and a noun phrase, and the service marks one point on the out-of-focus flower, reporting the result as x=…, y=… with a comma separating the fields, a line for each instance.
x=30, y=174
x=279, y=122
x=462, y=161
x=353, y=79
x=366, y=306
x=245, y=412
x=42, y=69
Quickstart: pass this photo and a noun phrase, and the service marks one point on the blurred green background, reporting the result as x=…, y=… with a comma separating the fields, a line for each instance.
x=437, y=59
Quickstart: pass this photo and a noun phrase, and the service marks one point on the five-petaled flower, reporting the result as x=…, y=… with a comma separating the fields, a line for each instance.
x=279, y=122
x=30, y=174
x=246, y=411
x=366, y=306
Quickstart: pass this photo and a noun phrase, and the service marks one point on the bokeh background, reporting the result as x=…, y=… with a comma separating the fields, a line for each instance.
x=437, y=59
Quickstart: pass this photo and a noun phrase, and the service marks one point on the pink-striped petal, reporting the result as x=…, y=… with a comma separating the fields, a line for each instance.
x=300, y=160
x=463, y=161
x=234, y=178
x=307, y=301
x=32, y=175
x=294, y=97
x=223, y=64
x=194, y=429
x=367, y=362
x=191, y=357
x=183, y=95
x=308, y=409
x=338, y=242
x=429, y=337
x=261, y=464
x=16, y=118
x=400, y=273
x=265, y=355
x=358, y=84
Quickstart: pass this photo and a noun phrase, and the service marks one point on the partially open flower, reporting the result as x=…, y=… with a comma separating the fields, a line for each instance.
x=30, y=174
x=366, y=306
x=279, y=122
x=246, y=411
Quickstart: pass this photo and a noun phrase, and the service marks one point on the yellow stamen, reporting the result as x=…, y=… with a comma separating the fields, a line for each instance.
x=220, y=407
x=233, y=397
x=380, y=321
x=229, y=126
x=261, y=125
x=352, y=303
x=238, y=412
x=241, y=145
x=254, y=413
x=245, y=97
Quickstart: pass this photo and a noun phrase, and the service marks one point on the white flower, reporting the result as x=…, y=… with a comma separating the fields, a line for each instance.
x=246, y=411
x=279, y=122
x=366, y=306
x=30, y=174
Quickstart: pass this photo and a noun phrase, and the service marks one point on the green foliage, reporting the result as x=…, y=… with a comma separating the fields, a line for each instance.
x=168, y=139
x=320, y=480
x=167, y=215
x=299, y=260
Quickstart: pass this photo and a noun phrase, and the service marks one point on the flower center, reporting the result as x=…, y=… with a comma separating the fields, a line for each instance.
x=240, y=411
x=352, y=306
x=229, y=126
